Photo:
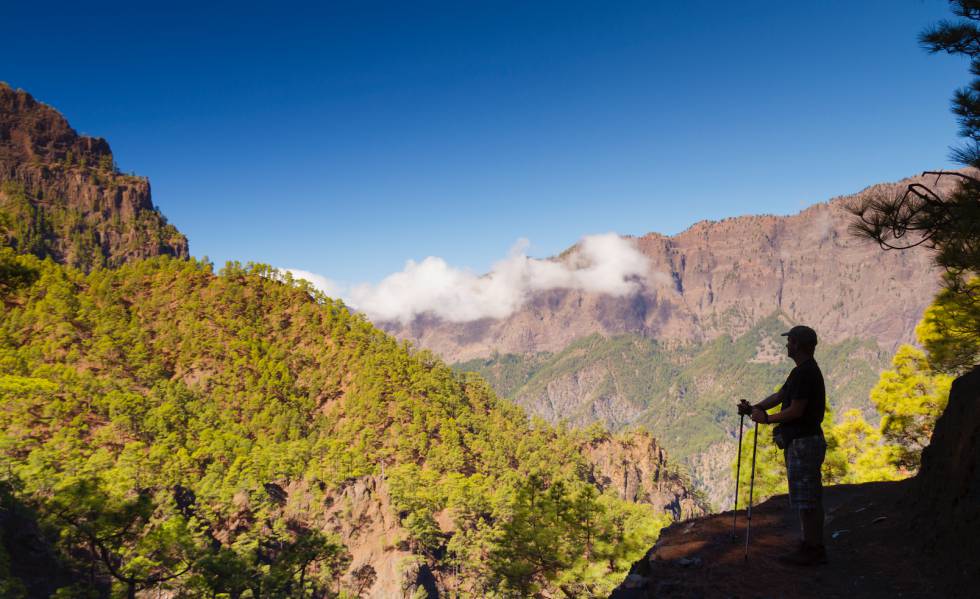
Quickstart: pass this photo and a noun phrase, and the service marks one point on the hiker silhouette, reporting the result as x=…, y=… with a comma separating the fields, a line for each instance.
x=798, y=432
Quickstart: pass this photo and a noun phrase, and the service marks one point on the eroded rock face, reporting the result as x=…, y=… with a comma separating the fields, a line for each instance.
x=723, y=277
x=637, y=470
x=361, y=514
x=62, y=196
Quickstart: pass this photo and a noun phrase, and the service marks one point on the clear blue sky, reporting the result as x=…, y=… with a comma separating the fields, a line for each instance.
x=346, y=138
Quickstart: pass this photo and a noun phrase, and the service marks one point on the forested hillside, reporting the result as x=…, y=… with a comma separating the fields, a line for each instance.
x=168, y=427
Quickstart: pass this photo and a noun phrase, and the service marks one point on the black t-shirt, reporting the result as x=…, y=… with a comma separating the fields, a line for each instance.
x=804, y=382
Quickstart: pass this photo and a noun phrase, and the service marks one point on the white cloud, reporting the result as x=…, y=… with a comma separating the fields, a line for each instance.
x=606, y=263
x=327, y=286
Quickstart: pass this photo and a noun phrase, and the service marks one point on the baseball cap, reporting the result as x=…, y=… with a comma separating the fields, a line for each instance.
x=802, y=333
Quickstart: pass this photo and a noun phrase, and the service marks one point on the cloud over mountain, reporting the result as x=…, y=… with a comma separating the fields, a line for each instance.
x=605, y=263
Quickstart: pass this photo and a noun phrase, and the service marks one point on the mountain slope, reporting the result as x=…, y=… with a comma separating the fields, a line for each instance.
x=684, y=395
x=167, y=429
x=62, y=196
x=270, y=415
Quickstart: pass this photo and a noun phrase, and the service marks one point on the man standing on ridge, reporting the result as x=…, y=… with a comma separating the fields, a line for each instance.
x=800, y=435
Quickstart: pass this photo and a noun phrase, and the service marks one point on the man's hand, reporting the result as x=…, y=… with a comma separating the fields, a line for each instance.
x=744, y=408
x=759, y=415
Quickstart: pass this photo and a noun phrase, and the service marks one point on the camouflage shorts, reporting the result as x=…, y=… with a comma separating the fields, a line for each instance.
x=804, y=457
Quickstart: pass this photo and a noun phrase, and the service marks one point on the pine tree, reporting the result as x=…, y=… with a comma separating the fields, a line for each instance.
x=856, y=454
x=949, y=225
x=910, y=397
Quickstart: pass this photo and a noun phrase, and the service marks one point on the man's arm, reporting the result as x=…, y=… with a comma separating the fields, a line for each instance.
x=794, y=411
x=746, y=409
x=797, y=404
x=770, y=401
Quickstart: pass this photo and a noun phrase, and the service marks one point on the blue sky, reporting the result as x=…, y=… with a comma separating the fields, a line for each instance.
x=345, y=138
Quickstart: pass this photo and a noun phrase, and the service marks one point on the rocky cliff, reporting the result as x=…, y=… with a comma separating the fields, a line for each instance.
x=361, y=514
x=62, y=196
x=636, y=468
x=723, y=277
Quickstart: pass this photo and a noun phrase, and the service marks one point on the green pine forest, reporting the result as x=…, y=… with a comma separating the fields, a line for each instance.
x=166, y=427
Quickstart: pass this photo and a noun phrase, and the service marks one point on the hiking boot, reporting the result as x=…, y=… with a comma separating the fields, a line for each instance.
x=805, y=555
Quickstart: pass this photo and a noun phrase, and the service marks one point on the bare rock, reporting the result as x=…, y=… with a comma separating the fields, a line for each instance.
x=66, y=199
x=636, y=468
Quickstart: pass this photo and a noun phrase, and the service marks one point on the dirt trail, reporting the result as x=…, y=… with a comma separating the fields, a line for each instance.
x=869, y=544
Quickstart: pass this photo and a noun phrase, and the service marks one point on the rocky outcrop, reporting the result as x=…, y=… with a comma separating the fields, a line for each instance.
x=637, y=469
x=361, y=514
x=712, y=471
x=946, y=492
x=723, y=277
x=913, y=538
x=62, y=196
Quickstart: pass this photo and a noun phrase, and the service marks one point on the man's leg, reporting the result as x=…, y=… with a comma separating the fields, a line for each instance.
x=803, y=464
x=811, y=523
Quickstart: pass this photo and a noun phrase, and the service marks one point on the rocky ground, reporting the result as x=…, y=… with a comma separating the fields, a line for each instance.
x=869, y=544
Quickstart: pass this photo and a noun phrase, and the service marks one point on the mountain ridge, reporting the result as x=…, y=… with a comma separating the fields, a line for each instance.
x=720, y=277
x=62, y=195
x=648, y=359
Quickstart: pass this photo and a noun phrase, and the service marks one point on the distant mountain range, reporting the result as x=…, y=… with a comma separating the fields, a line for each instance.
x=703, y=329
x=720, y=278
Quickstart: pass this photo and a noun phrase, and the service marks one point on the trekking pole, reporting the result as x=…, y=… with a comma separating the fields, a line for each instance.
x=748, y=526
x=738, y=472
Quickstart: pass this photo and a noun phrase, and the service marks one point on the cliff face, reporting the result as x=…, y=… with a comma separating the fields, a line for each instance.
x=381, y=566
x=62, y=196
x=636, y=468
x=723, y=277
